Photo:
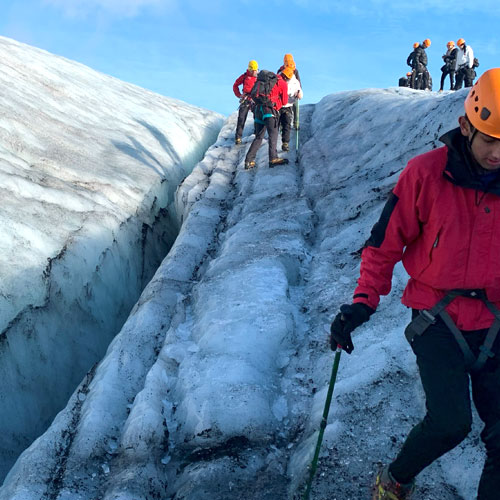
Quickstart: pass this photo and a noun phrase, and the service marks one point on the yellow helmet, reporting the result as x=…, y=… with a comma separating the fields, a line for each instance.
x=253, y=66
x=482, y=105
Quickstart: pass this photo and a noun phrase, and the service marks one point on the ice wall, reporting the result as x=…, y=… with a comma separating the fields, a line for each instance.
x=88, y=168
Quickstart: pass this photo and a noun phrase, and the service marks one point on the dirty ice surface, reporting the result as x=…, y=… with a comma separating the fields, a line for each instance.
x=214, y=388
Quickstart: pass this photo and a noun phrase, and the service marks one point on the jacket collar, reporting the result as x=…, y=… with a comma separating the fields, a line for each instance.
x=461, y=168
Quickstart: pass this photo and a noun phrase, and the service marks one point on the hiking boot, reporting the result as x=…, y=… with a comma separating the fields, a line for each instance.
x=278, y=161
x=237, y=140
x=285, y=147
x=249, y=165
x=387, y=488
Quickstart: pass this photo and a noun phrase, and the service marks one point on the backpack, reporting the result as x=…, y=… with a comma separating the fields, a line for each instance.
x=261, y=91
x=475, y=63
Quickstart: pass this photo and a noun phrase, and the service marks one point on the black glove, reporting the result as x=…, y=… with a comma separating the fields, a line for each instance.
x=349, y=318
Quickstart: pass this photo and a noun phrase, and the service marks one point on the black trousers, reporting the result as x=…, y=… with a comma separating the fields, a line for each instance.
x=446, y=72
x=286, y=119
x=271, y=125
x=420, y=77
x=464, y=75
x=242, y=118
x=447, y=422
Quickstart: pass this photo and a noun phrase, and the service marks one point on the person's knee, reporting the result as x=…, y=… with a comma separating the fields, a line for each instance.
x=453, y=432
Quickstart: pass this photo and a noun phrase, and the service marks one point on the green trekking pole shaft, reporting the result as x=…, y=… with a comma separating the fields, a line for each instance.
x=314, y=463
x=297, y=123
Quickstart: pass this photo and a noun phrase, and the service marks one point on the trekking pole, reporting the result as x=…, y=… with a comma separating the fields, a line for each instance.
x=296, y=104
x=314, y=463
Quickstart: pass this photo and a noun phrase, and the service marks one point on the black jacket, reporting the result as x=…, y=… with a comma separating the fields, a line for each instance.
x=421, y=55
x=411, y=60
x=449, y=60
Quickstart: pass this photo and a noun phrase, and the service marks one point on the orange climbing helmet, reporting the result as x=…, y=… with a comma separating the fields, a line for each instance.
x=415, y=45
x=482, y=105
x=460, y=42
x=287, y=71
x=450, y=44
x=426, y=43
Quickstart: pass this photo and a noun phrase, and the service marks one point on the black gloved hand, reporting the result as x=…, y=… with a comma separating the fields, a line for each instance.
x=349, y=318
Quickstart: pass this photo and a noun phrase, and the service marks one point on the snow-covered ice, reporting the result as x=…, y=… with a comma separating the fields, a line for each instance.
x=215, y=386
x=88, y=169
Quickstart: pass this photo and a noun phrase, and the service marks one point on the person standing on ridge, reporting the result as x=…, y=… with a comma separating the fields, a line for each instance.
x=423, y=77
x=464, y=65
x=269, y=94
x=449, y=65
x=442, y=219
x=286, y=112
x=412, y=62
x=247, y=80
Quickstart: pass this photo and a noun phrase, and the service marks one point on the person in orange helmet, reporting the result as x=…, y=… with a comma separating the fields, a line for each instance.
x=423, y=78
x=442, y=220
x=411, y=61
x=448, y=68
x=464, y=65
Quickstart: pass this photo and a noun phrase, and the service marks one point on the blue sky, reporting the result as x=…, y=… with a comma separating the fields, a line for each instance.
x=194, y=50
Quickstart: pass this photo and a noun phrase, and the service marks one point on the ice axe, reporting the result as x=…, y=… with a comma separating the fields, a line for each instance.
x=314, y=463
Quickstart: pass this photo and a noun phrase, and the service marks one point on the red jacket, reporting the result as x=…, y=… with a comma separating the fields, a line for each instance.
x=279, y=93
x=444, y=224
x=247, y=79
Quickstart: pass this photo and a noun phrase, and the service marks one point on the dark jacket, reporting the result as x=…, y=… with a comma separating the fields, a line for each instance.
x=443, y=222
x=411, y=59
x=421, y=55
x=450, y=60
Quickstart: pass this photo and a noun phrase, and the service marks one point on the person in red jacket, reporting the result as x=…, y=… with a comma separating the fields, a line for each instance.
x=442, y=220
x=269, y=94
x=247, y=80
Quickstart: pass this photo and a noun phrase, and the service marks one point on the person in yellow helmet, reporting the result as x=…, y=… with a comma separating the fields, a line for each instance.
x=448, y=68
x=442, y=220
x=247, y=81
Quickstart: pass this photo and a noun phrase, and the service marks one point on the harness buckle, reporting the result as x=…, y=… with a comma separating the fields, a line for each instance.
x=487, y=351
x=427, y=316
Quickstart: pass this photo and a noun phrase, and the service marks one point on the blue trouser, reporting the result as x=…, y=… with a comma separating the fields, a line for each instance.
x=448, y=401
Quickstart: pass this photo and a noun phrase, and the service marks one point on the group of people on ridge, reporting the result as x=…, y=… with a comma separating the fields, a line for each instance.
x=442, y=220
x=271, y=97
x=459, y=64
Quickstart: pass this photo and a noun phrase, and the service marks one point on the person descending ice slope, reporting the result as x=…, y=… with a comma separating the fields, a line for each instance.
x=247, y=80
x=286, y=112
x=269, y=94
